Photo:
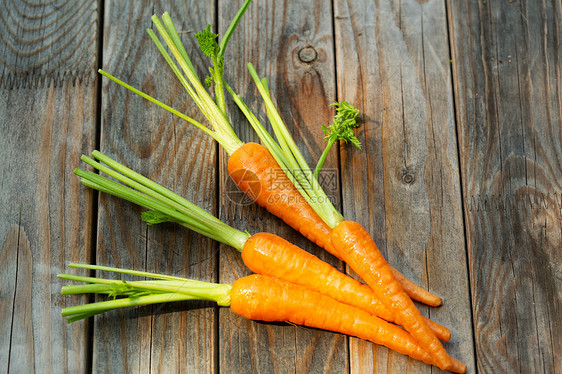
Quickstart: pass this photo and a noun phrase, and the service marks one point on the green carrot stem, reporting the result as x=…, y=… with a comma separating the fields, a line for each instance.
x=258, y=128
x=198, y=223
x=104, y=306
x=147, y=186
x=160, y=200
x=154, y=196
x=84, y=288
x=143, y=292
x=80, y=316
x=127, y=271
x=183, y=80
x=161, y=104
x=323, y=157
x=209, y=108
x=231, y=27
x=292, y=161
x=219, y=60
x=202, y=290
x=169, y=24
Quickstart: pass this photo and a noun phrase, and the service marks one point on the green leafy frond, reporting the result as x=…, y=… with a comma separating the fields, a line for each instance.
x=208, y=42
x=341, y=129
x=343, y=123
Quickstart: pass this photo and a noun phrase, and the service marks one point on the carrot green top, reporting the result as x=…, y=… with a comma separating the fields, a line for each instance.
x=213, y=110
x=284, y=149
x=165, y=289
x=163, y=205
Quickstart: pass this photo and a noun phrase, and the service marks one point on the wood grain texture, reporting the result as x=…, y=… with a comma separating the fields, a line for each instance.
x=178, y=337
x=47, y=42
x=290, y=43
x=16, y=333
x=497, y=104
x=47, y=118
x=403, y=186
x=507, y=77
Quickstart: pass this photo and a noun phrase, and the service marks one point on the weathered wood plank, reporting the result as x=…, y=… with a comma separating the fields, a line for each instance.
x=403, y=186
x=506, y=61
x=290, y=43
x=162, y=338
x=48, y=55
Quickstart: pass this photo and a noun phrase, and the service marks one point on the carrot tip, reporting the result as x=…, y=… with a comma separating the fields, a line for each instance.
x=457, y=366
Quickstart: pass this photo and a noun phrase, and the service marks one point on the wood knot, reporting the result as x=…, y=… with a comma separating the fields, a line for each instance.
x=408, y=177
x=307, y=54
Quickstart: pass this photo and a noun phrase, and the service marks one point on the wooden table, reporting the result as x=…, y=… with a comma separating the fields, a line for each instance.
x=459, y=179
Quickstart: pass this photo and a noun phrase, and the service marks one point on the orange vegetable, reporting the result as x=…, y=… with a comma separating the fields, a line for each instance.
x=255, y=297
x=360, y=252
x=269, y=254
x=268, y=299
x=255, y=171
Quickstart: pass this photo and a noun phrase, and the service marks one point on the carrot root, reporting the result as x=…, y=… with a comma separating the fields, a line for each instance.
x=255, y=171
x=359, y=250
x=268, y=299
x=416, y=292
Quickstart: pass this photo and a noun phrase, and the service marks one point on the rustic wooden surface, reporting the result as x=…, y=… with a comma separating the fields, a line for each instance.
x=459, y=179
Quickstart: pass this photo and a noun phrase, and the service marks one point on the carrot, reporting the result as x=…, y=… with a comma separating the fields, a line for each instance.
x=361, y=253
x=268, y=299
x=262, y=253
x=269, y=254
x=256, y=173
x=256, y=297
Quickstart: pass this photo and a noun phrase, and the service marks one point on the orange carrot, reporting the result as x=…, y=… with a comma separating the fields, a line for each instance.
x=268, y=299
x=263, y=253
x=269, y=254
x=255, y=297
x=360, y=252
x=255, y=171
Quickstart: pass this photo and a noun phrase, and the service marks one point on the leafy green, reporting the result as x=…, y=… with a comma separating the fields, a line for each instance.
x=343, y=123
x=208, y=42
x=341, y=129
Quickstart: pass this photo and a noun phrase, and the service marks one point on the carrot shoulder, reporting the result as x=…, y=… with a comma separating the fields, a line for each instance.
x=269, y=254
x=255, y=171
x=361, y=253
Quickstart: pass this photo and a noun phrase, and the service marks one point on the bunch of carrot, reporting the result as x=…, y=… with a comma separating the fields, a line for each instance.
x=262, y=253
x=304, y=206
